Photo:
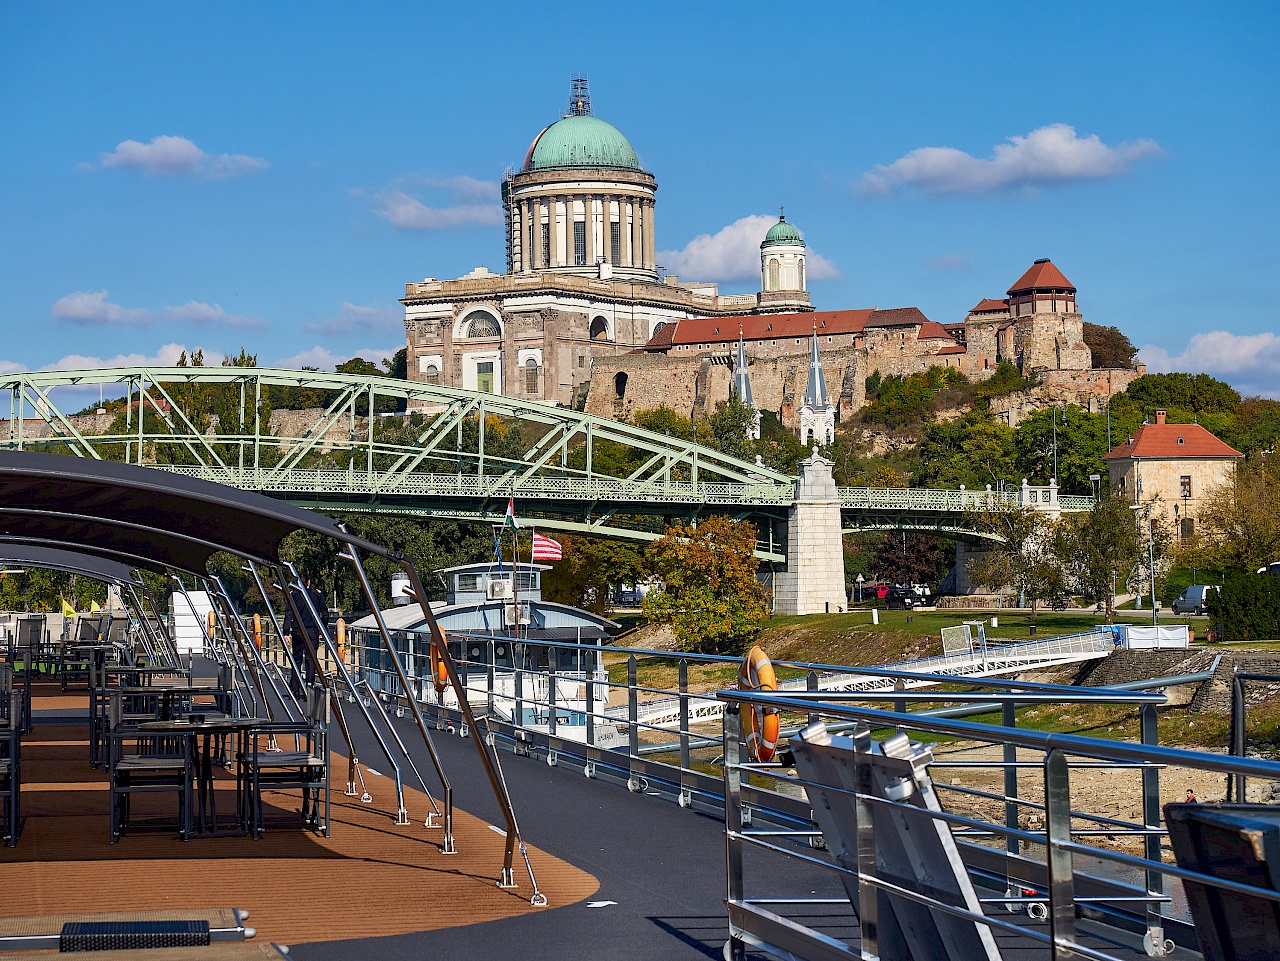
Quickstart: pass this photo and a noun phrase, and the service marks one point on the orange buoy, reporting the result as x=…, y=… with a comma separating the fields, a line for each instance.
x=257, y=631
x=760, y=725
x=439, y=674
x=340, y=632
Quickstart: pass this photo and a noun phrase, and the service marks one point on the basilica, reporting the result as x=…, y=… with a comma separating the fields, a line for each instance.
x=583, y=316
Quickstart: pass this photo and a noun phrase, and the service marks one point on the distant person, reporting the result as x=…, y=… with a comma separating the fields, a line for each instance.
x=1191, y=797
x=304, y=624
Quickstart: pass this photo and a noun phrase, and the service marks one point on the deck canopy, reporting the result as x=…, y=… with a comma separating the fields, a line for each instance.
x=140, y=517
x=69, y=562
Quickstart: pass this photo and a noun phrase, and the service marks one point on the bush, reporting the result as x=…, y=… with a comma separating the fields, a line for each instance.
x=1247, y=609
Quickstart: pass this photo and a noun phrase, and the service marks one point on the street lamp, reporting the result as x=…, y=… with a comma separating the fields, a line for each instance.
x=1151, y=559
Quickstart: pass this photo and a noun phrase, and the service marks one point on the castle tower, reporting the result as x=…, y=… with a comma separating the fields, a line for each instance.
x=742, y=385
x=817, y=416
x=1048, y=332
x=782, y=269
x=581, y=203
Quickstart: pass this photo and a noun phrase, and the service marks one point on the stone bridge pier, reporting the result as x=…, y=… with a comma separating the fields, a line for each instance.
x=813, y=582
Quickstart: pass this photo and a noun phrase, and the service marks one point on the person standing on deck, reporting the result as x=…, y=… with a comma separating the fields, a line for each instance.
x=304, y=623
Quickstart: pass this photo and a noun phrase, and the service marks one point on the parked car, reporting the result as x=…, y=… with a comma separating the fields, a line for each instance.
x=904, y=599
x=1193, y=599
x=1273, y=569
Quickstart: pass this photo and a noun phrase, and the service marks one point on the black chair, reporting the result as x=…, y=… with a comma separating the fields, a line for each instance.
x=304, y=769
x=11, y=770
x=142, y=764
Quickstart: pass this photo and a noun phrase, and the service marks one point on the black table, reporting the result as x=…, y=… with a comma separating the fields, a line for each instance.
x=200, y=735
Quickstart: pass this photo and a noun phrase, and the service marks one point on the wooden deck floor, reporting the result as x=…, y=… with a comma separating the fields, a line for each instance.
x=372, y=877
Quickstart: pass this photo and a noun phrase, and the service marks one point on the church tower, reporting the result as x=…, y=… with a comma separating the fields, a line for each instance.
x=782, y=270
x=742, y=385
x=817, y=416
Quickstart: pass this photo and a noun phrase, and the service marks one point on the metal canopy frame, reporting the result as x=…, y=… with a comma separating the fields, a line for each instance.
x=124, y=514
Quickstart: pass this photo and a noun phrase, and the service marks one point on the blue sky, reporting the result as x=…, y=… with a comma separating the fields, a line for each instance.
x=269, y=176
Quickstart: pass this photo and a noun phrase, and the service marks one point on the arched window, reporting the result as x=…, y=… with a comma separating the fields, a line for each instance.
x=531, y=376
x=600, y=329
x=658, y=327
x=773, y=275
x=432, y=374
x=620, y=384
x=479, y=324
x=802, y=273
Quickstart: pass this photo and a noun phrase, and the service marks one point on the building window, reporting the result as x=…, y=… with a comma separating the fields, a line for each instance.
x=546, y=244
x=620, y=384
x=1188, y=528
x=773, y=275
x=615, y=242
x=599, y=329
x=579, y=243
x=582, y=361
x=1185, y=486
x=478, y=325
x=484, y=377
x=432, y=374
x=530, y=376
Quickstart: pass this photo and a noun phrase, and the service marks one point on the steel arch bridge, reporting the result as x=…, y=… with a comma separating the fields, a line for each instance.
x=431, y=451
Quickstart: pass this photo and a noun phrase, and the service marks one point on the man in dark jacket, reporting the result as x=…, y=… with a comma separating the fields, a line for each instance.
x=304, y=623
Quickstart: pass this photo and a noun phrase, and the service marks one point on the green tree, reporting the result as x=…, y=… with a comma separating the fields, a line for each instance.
x=972, y=450
x=1195, y=393
x=1082, y=442
x=1110, y=348
x=1025, y=558
x=710, y=595
x=731, y=427
x=1238, y=527
x=1101, y=548
x=1256, y=426
x=590, y=570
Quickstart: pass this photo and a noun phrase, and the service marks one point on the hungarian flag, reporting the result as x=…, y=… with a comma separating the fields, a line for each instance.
x=546, y=549
x=510, y=519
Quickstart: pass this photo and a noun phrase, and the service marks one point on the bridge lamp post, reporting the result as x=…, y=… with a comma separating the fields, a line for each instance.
x=1151, y=559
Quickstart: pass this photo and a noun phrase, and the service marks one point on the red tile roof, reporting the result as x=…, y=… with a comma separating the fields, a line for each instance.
x=953, y=349
x=1162, y=440
x=897, y=317
x=711, y=330
x=987, y=304
x=661, y=338
x=932, y=330
x=1041, y=274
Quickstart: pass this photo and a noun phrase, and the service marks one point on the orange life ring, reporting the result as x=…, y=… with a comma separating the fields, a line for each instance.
x=760, y=725
x=439, y=674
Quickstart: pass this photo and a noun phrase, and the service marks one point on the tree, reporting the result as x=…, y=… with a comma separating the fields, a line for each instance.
x=1191, y=392
x=1025, y=558
x=589, y=571
x=1101, y=548
x=911, y=557
x=1082, y=442
x=398, y=364
x=1239, y=523
x=1256, y=426
x=710, y=594
x=972, y=450
x=1109, y=347
x=731, y=427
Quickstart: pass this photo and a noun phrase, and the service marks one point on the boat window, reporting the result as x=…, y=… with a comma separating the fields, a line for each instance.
x=468, y=582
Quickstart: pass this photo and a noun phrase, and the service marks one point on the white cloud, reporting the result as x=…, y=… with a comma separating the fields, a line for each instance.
x=354, y=317
x=209, y=315
x=465, y=186
x=1047, y=155
x=1249, y=362
x=166, y=356
x=178, y=156
x=410, y=213
x=733, y=253
x=321, y=358
x=91, y=308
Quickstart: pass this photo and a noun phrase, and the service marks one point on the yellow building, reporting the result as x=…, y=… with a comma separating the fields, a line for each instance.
x=1172, y=467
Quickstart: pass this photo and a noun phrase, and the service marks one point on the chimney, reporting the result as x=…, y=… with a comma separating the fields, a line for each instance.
x=1160, y=416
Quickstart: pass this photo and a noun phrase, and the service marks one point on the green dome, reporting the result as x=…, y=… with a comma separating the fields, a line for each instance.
x=782, y=233
x=580, y=141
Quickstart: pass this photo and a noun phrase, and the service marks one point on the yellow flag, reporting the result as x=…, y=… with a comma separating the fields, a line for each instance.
x=67, y=609
x=94, y=607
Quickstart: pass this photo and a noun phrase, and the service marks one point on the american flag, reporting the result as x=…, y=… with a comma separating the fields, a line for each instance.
x=546, y=549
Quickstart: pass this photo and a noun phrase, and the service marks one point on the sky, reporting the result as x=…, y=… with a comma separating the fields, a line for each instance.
x=269, y=176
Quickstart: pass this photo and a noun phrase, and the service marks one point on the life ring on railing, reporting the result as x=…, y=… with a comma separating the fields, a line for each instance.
x=760, y=725
x=439, y=674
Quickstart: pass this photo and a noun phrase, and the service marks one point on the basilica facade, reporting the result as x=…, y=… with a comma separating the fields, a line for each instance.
x=581, y=281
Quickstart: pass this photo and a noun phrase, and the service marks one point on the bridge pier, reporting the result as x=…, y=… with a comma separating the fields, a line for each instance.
x=813, y=582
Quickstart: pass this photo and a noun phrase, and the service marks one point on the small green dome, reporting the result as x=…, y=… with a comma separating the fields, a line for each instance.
x=782, y=233
x=580, y=141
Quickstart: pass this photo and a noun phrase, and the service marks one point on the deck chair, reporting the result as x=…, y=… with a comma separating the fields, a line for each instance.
x=11, y=770
x=304, y=769
x=145, y=765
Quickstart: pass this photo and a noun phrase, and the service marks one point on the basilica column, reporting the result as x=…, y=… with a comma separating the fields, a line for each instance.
x=535, y=234
x=637, y=251
x=651, y=247
x=554, y=210
x=589, y=203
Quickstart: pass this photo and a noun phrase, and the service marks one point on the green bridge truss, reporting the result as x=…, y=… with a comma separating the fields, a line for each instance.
x=432, y=451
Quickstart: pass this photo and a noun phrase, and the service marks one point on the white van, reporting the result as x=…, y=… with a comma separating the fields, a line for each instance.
x=1193, y=599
